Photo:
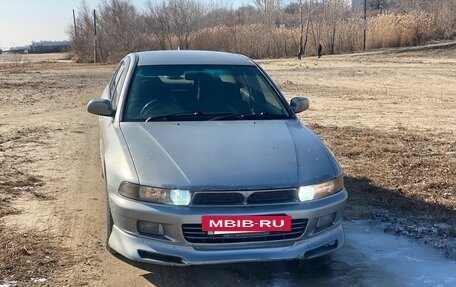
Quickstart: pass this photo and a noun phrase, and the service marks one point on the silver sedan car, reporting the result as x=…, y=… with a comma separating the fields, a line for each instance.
x=205, y=162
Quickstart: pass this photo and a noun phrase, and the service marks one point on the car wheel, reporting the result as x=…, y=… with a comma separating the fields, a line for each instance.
x=109, y=225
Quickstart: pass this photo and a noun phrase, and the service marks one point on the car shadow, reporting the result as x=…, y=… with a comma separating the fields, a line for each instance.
x=240, y=274
x=366, y=199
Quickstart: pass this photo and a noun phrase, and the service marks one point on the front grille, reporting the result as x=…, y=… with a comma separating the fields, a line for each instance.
x=244, y=197
x=193, y=233
x=272, y=196
x=217, y=198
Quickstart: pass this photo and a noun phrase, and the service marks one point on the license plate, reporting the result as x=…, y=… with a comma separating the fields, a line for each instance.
x=228, y=224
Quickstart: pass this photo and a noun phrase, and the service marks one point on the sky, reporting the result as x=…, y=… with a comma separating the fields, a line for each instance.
x=24, y=21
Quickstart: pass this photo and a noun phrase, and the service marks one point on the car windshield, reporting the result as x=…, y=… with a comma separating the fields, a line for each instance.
x=201, y=92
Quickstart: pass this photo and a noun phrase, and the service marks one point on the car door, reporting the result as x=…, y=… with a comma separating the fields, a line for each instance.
x=109, y=131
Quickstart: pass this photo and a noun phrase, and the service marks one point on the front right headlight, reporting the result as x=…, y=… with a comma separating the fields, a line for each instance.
x=155, y=194
x=317, y=191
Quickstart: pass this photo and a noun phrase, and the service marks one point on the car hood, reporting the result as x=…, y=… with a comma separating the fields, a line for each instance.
x=227, y=154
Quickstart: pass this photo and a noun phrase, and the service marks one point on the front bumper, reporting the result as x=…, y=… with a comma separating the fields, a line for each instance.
x=173, y=249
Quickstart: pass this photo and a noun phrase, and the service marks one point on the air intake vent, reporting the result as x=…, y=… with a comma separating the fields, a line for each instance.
x=193, y=233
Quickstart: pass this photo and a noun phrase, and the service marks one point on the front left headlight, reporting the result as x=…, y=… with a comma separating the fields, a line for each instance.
x=155, y=194
x=317, y=191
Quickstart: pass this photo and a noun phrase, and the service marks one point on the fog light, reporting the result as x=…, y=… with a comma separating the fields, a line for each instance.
x=150, y=227
x=325, y=221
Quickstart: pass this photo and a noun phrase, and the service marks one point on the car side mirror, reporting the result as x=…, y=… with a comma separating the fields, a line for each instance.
x=299, y=104
x=100, y=107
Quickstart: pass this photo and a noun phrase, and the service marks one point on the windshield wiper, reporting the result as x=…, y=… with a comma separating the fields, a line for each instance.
x=250, y=116
x=192, y=115
x=165, y=117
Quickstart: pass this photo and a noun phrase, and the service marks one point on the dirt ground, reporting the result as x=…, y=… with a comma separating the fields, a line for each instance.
x=389, y=119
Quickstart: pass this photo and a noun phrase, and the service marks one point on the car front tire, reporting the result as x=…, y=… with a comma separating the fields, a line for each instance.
x=109, y=220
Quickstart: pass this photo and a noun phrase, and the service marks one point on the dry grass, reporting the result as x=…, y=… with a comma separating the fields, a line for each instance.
x=14, y=63
x=27, y=258
x=13, y=184
x=15, y=179
x=24, y=257
x=42, y=109
x=385, y=30
x=398, y=30
x=405, y=172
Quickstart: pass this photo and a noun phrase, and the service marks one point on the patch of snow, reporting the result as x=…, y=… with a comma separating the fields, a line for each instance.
x=412, y=263
x=38, y=280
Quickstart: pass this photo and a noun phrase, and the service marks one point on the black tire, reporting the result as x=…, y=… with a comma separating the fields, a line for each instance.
x=109, y=221
x=109, y=225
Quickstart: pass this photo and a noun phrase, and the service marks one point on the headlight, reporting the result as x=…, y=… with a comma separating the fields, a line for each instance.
x=155, y=194
x=180, y=197
x=316, y=191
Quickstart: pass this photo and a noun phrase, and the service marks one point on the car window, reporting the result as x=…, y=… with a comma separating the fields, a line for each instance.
x=118, y=82
x=257, y=90
x=200, y=92
x=269, y=96
x=115, y=79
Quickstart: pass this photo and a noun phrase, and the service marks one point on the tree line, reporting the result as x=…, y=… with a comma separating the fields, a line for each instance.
x=262, y=29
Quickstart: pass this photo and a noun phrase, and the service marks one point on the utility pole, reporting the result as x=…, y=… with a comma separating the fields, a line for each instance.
x=301, y=32
x=94, y=36
x=365, y=25
x=74, y=25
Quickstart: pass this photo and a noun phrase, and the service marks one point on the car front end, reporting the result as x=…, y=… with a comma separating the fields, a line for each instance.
x=172, y=235
x=158, y=219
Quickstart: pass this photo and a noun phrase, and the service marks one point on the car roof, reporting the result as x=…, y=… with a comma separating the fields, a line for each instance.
x=191, y=57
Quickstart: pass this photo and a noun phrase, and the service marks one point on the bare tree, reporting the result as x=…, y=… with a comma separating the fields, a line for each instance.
x=81, y=36
x=302, y=41
x=247, y=15
x=184, y=16
x=445, y=17
x=157, y=23
x=410, y=5
x=120, y=28
x=334, y=14
x=270, y=11
x=219, y=16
